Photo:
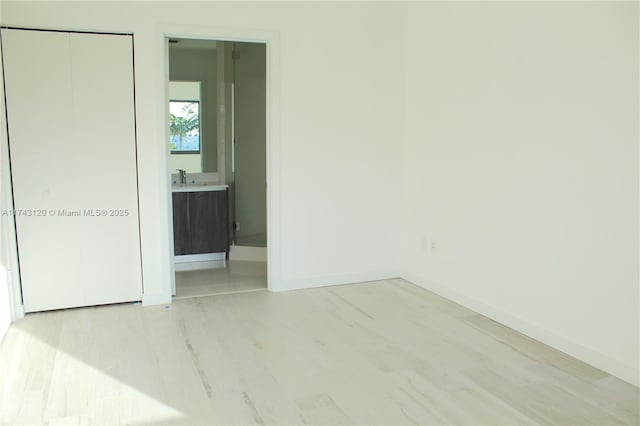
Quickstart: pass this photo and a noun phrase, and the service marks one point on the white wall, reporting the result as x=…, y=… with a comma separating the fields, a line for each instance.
x=5, y=312
x=339, y=121
x=5, y=294
x=8, y=265
x=521, y=162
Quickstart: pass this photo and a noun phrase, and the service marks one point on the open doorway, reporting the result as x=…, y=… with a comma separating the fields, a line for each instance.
x=218, y=159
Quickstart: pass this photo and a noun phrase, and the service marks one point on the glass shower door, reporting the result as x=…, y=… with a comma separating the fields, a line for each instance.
x=249, y=145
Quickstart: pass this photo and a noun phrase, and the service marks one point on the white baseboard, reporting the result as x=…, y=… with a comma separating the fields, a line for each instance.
x=196, y=266
x=612, y=366
x=19, y=312
x=329, y=280
x=246, y=253
x=156, y=299
x=205, y=257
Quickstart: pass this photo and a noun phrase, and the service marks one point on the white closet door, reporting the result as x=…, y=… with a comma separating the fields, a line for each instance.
x=72, y=140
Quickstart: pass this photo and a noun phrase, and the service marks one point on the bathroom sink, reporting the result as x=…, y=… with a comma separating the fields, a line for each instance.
x=198, y=186
x=194, y=184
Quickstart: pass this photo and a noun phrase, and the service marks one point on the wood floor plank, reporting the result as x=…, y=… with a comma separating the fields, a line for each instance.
x=627, y=410
x=322, y=410
x=534, y=349
x=544, y=402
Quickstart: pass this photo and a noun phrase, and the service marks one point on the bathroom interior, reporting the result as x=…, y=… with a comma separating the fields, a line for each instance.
x=217, y=144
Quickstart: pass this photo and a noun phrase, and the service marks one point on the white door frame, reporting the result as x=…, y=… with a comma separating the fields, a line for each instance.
x=8, y=243
x=272, y=41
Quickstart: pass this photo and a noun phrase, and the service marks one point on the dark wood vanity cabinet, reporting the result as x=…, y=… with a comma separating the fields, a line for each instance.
x=181, y=234
x=200, y=222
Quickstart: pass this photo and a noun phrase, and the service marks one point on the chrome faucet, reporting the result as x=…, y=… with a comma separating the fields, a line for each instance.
x=183, y=176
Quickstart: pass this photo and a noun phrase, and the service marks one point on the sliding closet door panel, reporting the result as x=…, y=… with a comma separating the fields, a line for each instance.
x=102, y=71
x=37, y=71
x=72, y=140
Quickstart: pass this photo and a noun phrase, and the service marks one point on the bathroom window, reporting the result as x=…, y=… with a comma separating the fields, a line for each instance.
x=184, y=126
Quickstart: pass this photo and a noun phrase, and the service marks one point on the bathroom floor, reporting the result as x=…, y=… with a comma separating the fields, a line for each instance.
x=236, y=277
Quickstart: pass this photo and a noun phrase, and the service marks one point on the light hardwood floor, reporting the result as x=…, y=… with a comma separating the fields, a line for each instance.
x=385, y=352
x=237, y=276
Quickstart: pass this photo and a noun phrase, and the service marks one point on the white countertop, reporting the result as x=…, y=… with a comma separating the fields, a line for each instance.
x=196, y=187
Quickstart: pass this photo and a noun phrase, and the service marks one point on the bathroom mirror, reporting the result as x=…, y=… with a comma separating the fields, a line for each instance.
x=192, y=106
x=185, y=126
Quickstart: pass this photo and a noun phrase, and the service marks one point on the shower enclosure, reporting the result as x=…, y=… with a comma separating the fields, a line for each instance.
x=248, y=151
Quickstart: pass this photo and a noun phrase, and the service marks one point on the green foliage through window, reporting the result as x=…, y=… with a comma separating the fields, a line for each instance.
x=184, y=127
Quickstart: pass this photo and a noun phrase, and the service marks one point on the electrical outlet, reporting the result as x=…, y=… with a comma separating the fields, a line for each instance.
x=433, y=245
